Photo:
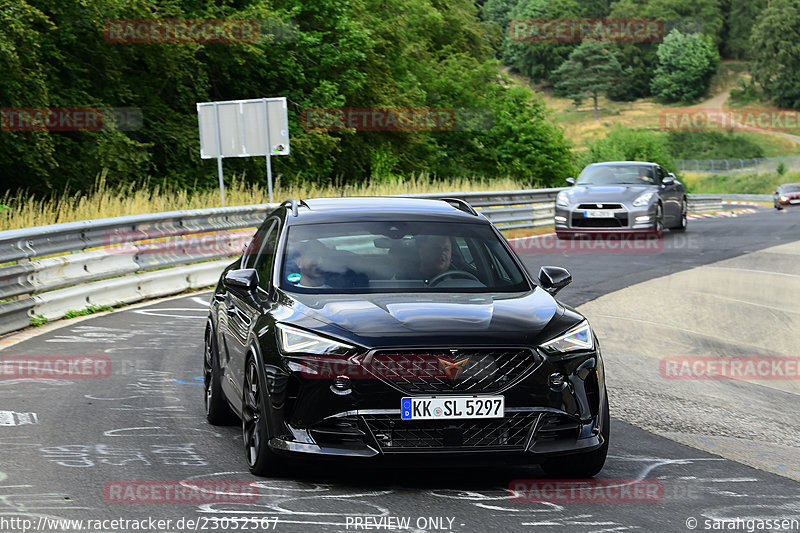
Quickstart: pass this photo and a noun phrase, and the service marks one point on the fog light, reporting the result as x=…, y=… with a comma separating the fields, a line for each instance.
x=560, y=219
x=643, y=219
x=341, y=385
x=556, y=380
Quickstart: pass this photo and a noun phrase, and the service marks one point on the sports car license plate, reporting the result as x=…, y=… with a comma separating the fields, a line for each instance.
x=450, y=407
x=598, y=213
x=794, y=201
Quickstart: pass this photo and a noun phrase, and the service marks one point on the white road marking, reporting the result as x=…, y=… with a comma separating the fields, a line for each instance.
x=12, y=418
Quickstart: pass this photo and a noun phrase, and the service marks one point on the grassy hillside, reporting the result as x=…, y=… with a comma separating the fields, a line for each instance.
x=580, y=127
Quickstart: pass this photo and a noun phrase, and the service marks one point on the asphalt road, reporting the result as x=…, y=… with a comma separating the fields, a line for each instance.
x=64, y=442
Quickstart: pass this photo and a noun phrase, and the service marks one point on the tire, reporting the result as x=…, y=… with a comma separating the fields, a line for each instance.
x=658, y=225
x=218, y=412
x=261, y=460
x=683, y=222
x=779, y=207
x=583, y=465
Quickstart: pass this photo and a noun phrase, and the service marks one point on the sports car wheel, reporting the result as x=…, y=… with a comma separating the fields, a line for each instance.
x=659, y=223
x=218, y=412
x=683, y=221
x=582, y=465
x=255, y=431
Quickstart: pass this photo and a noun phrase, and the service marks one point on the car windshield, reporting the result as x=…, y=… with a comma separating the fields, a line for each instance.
x=398, y=257
x=617, y=175
x=795, y=187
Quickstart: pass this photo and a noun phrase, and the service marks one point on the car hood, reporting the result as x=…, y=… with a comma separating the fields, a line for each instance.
x=607, y=193
x=375, y=319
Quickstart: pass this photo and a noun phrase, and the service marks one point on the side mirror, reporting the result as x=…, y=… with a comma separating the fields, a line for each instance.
x=668, y=180
x=571, y=181
x=243, y=279
x=553, y=279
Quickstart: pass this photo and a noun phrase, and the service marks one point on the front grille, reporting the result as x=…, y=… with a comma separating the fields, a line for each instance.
x=600, y=206
x=394, y=434
x=620, y=220
x=485, y=370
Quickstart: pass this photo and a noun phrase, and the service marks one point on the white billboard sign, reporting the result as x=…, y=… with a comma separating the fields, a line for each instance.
x=243, y=128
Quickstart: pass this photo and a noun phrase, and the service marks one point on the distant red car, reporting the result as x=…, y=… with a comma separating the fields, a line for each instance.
x=786, y=195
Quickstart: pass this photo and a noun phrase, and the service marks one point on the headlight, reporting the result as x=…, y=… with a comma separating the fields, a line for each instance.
x=295, y=340
x=562, y=200
x=784, y=198
x=643, y=199
x=578, y=338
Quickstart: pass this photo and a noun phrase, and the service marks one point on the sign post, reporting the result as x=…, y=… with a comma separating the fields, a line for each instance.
x=243, y=128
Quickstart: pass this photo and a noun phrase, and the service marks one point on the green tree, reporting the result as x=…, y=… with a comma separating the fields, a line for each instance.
x=626, y=144
x=334, y=53
x=686, y=63
x=775, y=45
x=538, y=59
x=638, y=61
x=740, y=24
x=590, y=70
x=687, y=16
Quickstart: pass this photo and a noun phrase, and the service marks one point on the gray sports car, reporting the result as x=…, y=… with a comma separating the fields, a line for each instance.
x=621, y=197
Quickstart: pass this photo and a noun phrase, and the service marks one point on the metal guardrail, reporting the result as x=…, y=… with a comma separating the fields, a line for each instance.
x=106, y=261
x=704, y=204
x=51, y=270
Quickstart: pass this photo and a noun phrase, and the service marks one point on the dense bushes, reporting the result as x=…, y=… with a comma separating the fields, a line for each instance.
x=328, y=53
x=626, y=144
x=711, y=145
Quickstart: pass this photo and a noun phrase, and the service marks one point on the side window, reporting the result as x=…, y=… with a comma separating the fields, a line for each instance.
x=262, y=261
x=661, y=174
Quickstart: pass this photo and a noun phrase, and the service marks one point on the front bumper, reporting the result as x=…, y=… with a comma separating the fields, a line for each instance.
x=790, y=202
x=626, y=219
x=539, y=421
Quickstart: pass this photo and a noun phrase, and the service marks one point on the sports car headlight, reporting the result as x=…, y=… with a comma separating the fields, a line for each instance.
x=297, y=341
x=562, y=200
x=643, y=199
x=578, y=338
x=784, y=198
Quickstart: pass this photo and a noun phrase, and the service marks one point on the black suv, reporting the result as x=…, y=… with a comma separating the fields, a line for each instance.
x=366, y=327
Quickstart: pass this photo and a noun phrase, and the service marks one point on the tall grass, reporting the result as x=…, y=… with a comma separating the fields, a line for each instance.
x=753, y=183
x=104, y=200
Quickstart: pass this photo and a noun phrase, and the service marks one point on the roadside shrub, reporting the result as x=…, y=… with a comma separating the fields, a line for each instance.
x=626, y=144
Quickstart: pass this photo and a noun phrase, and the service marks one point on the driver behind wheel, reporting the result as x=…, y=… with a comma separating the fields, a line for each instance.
x=435, y=252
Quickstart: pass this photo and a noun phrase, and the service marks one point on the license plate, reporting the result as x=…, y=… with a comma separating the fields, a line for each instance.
x=450, y=407
x=598, y=213
x=794, y=201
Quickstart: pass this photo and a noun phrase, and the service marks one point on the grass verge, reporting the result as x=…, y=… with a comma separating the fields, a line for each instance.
x=103, y=200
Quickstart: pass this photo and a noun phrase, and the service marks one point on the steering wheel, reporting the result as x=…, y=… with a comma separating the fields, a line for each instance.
x=452, y=273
